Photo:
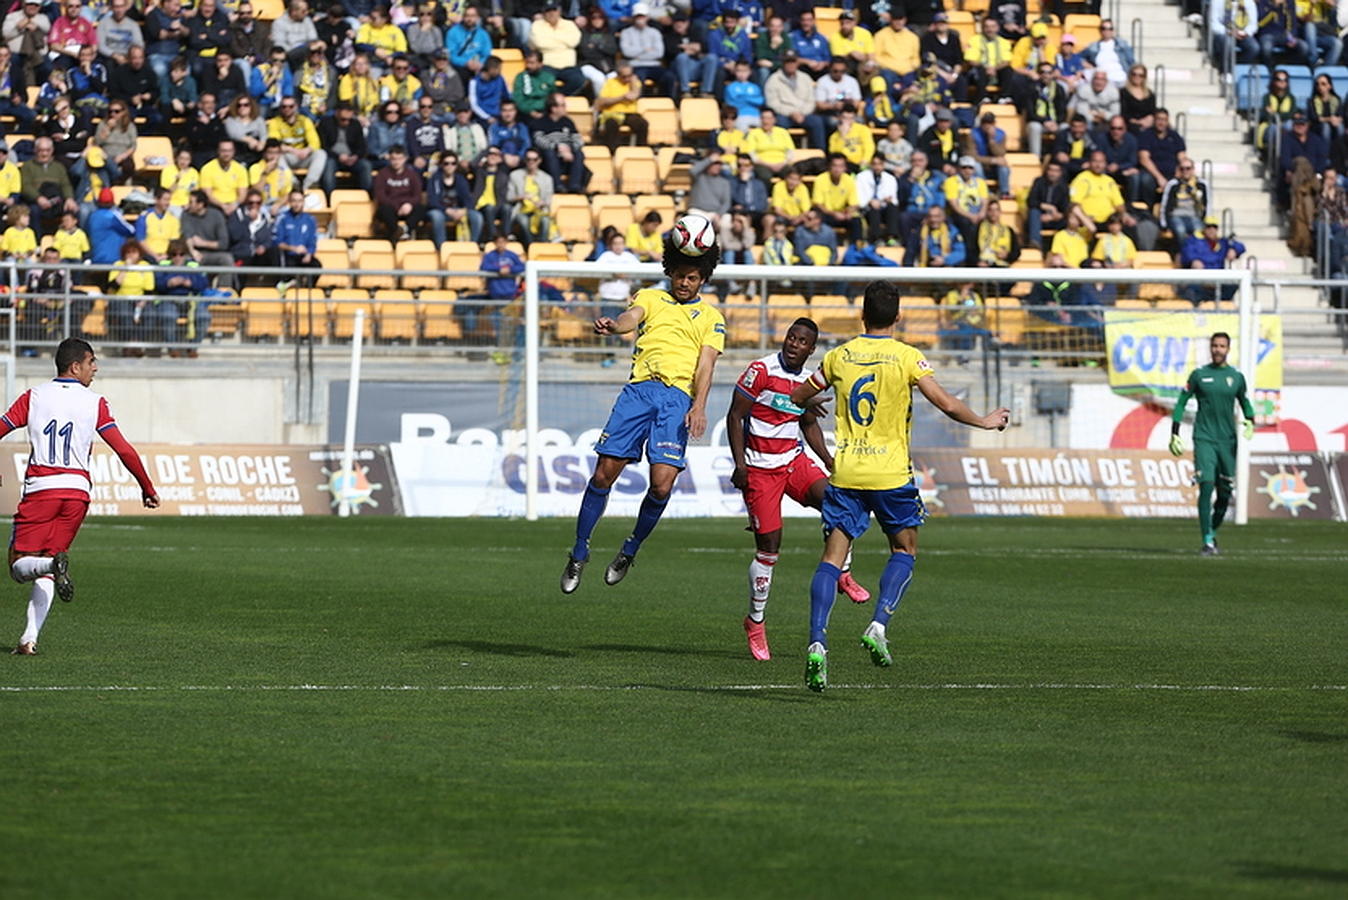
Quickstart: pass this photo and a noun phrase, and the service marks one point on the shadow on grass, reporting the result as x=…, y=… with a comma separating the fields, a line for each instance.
x=499, y=649
x=666, y=651
x=1315, y=737
x=739, y=693
x=1276, y=872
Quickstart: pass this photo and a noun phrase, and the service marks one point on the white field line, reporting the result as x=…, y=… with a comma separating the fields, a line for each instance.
x=489, y=688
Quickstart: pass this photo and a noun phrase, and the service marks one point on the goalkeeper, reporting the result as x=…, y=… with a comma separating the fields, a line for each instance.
x=1217, y=386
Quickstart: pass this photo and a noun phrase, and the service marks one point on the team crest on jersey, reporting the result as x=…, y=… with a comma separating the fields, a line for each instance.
x=694, y=313
x=923, y=365
x=1230, y=381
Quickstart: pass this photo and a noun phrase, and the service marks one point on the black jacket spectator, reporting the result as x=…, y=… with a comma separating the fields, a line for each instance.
x=1055, y=193
x=207, y=33
x=355, y=135
x=225, y=89
x=126, y=82
x=930, y=144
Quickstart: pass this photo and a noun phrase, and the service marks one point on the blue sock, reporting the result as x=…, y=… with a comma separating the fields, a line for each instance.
x=647, y=517
x=894, y=582
x=823, y=591
x=591, y=508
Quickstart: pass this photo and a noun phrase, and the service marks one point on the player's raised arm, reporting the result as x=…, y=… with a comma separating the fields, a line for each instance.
x=957, y=409
x=805, y=391
x=697, y=415
x=627, y=322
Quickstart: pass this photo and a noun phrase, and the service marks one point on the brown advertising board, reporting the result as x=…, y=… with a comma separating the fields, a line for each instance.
x=234, y=480
x=1127, y=483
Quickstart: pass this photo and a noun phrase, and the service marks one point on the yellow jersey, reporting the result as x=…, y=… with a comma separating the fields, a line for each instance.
x=301, y=134
x=403, y=92
x=18, y=241
x=835, y=197
x=1071, y=246
x=1098, y=195
x=771, y=148
x=993, y=53
x=861, y=41
x=898, y=51
x=362, y=91
x=274, y=185
x=138, y=280
x=1115, y=248
x=671, y=336
x=640, y=243
x=224, y=185
x=872, y=380
x=10, y=180
x=73, y=245
x=159, y=230
x=858, y=145
x=182, y=182
x=789, y=202
x=969, y=197
x=386, y=37
x=616, y=87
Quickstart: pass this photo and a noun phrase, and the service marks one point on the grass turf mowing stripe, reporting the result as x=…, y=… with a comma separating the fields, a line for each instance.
x=394, y=688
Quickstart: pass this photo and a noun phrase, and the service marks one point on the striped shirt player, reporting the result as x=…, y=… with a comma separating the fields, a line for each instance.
x=663, y=403
x=872, y=377
x=764, y=429
x=62, y=418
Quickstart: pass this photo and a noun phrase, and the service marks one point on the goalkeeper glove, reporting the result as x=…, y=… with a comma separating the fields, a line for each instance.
x=1176, y=445
x=1248, y=429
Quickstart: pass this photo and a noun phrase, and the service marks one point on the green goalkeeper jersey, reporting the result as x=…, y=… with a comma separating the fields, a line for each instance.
x=1218, y=389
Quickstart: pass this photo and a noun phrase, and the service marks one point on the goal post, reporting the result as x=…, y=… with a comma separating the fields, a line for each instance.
x=571, y=376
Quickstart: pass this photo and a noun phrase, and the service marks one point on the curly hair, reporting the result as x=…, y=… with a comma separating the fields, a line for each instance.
x=706, y=263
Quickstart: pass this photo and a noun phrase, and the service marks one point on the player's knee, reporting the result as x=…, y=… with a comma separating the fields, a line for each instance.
x=660, y=492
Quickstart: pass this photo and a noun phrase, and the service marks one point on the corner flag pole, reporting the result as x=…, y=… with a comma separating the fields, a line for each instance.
x=352, y=403
x=1249, y=363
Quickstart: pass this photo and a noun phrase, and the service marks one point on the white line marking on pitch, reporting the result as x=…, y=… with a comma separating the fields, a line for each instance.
x=471, y=688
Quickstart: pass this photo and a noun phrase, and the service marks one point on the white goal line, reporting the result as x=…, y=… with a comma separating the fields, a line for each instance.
x=729, y=688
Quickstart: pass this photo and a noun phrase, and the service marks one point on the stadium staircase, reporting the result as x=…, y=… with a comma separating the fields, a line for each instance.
x=1191, y=89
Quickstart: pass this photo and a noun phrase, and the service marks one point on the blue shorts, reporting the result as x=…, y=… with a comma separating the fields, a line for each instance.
x=895, y=509
x=647, y=414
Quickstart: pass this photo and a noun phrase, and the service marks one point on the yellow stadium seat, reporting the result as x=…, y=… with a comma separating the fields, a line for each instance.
x=578, y=109
x=1006, y=319
x=663, y=119
x=744, y=319
x=396, y=312
x=661, y=203
x=333, y=254
x=1084, y=27
x=266, y=10
x=599, y=160
x=919, y=319
x=1154, y=259
x=345, y=302
x=1030, y=258
x=403, y=248
x=438, y=320
x=783, y=309
x=427, y=262
x=573, y=223
x=638, y=176
x=375, y=259
x=461, y=256
x=699, y=115
x=262, y=318
x=152, y=153
x=623, y=154
x=542, y=250
x=611, y=209
x=259, y=293
x=307, y=312
x=581, y=250
x=353, y=218
x=512, y=62
x=826, y=20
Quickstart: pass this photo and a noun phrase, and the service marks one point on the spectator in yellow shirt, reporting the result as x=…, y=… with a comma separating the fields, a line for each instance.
x=224, y=179
x=1070, y=248
x=898, y=50
x=852, y=43
x=381, y=36
x=853, y=140
x=401, y=85
x=157, y=226
x=1033, y=51
x=11, y=179
x=835, y=197
x=790, y=199
x=300, y=148
x=272, y=178
x=131, y=286
x=18, y=242
x=1114, y=248
x=729, y=138
x=989, y=60
x=359, y=88
x=181, y=178
x=644, y=238
x=617, y=106
x=770, y=146
x=966, y=197
x=1096, y=194
x=70, y=241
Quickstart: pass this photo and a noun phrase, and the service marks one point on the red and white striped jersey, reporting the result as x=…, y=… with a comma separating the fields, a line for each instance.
x=62, y=417
x=773, y=438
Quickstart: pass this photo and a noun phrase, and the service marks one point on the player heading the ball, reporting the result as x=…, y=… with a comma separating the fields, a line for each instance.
x=62, y=417
x=665, y=400
x=872, y=377
x=764, y=430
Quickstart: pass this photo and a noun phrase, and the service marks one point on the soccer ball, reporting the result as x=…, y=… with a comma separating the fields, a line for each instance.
x=694, y=235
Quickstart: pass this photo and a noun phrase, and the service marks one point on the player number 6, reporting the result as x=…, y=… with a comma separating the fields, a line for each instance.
x=862, y=417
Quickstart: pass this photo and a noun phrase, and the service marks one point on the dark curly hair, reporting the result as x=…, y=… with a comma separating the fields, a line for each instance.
x=706, y=263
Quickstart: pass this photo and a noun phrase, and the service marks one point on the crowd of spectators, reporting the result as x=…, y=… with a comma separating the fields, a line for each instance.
x=410, y=104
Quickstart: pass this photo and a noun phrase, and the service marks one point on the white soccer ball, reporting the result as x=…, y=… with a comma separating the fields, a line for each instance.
x=694, y=234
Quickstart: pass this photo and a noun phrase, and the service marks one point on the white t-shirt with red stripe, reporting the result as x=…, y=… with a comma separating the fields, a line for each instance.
x=62, y=417
x=773, y=438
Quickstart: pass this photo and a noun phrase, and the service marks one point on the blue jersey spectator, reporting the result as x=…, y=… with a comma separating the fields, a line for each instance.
x=296, y=233
x=108, y=229
x=486, y=91
x=468, y=44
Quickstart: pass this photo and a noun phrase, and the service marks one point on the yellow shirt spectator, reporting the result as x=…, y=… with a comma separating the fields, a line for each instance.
x=994, y=52
x=860, y=42
x=9, y=180
x=138, y=280
x=361, y=91
x=386, y=37
x=71, y=245
x=299, y=134
x=832, y=197
x=182, y=182
x=616, y=87
x=404, y=92
x=1116, y=249
x=731, y=140
x=898, y=51
x=1027, y=56
x=1098, y=195
x=274, y=185
x=652, y=244
x=159, y=230
x=969, y=197
x=788, y=202
x=1071, y=246
x=858, y=144
x=224, y=185
x=771, y=148
x=18, y=242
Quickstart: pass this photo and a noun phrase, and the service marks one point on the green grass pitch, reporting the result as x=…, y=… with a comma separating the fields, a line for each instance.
x=411, y=708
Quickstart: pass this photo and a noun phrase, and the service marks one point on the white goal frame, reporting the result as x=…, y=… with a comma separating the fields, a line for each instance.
x=1247, y=307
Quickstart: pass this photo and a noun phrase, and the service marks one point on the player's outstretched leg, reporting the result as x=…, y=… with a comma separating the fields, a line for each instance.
x=760, y=585
x=39, y=604
x=652, y=508
x=848, y=585
x=894, y=583
x=1205, y=489
x=823, y=591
